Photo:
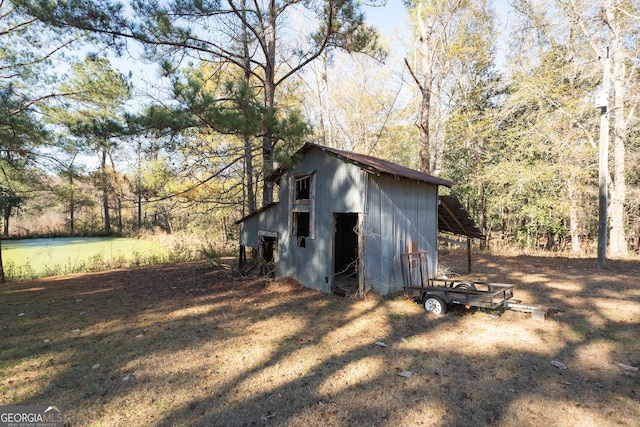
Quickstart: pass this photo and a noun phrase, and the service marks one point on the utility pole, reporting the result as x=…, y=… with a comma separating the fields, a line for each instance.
x=602, y=102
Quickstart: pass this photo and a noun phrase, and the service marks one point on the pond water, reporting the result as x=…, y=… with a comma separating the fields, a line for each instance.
x=69, y=254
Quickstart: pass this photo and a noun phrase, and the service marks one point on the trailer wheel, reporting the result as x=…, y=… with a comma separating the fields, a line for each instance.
x=434, y=304
x=466, y=286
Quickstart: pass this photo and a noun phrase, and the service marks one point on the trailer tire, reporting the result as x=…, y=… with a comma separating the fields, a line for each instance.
x=434, y=304
x=468, y=286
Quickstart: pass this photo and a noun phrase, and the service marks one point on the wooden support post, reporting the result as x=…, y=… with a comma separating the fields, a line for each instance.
x=468, y=255
x=361, y=266
x=242, y=256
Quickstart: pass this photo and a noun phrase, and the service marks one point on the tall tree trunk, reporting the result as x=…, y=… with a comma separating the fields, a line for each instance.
x=423, y=128
x=105, y=191
x=434, y=23
x=573, y=216
x=425, y=112
x=139, y=183
x=248, y=149
x=427, y=52
x=269, y=101
x=2, y=278
x=616, y=22
x=139, y=210
x=248, y=170
x=328, y=129
x=617, y=240
x=119, y=201
x=72, y=206
x=117, y=193
x=482, y=218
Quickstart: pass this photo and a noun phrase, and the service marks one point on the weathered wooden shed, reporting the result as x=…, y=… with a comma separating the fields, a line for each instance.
x=345, y=217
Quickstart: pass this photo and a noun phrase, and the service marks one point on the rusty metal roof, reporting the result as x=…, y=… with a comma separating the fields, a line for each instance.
x=454, y=218
x=374, y=165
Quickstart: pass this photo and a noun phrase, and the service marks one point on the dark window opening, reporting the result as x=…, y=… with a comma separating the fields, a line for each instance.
x=302, y=194
x=302, y=188
x=302, y=224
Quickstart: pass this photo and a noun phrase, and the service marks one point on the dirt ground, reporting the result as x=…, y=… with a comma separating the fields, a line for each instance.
x=189, y=344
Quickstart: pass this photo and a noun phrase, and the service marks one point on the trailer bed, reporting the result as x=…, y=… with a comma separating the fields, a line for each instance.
x=463, y=292
x=437, y=293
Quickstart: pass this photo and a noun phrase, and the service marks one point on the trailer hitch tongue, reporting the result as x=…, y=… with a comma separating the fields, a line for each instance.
x=537, y=313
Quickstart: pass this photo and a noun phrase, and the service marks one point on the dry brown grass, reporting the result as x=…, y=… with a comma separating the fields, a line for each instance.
x=190, y=345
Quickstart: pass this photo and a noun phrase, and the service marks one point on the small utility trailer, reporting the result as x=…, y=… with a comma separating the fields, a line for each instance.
x=436, y=294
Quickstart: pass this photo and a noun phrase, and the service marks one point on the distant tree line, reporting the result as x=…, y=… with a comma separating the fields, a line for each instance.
x=506, y=112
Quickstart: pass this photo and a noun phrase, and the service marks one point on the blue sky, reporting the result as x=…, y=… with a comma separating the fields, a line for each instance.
x=388, y=17
x=393, y=14
x=391, y=19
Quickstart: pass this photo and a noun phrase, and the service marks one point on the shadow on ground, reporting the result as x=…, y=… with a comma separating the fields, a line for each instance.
x=190, y=345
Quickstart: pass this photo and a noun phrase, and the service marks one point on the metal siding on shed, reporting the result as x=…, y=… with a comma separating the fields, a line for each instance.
x=267, y=220
x=338, y=188
x=398, y=212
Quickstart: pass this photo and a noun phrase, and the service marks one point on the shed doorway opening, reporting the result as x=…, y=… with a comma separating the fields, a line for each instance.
x=268, y=245
x=268, y=250
x=345, y=259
